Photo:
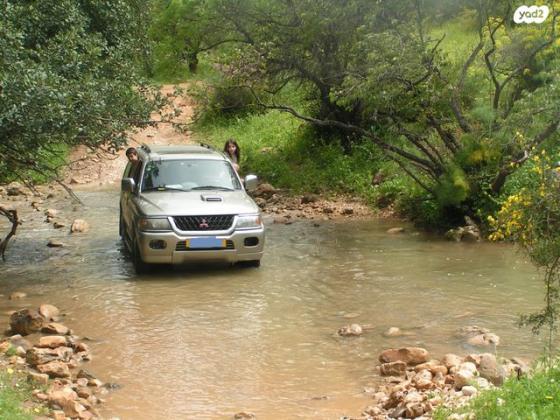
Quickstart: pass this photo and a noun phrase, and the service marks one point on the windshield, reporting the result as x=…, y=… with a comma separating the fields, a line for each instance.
x=187, y=175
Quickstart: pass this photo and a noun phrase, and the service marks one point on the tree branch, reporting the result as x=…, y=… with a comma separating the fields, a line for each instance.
x=13, y=218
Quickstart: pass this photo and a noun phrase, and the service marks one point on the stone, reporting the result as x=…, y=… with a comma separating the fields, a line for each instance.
x=81, y=382
x=433, y=366
x=58, y=415
x=347, y=211
x=17, y=295
x=5, y=346
x=79, y=226
x=15, y=189
x=409, y=355
x=489, y=369
x=49, y=312
x=450, y=360
x=352, y=330
x=469, y=390
x=473, y=358
x=471, y=330
x=397, y=368
x=55, y=369
x=59, y=225
x=462, y=378
x=396, y=230
x=482, y=383
x=25, y=322
x=40, y=378
x=468, y=366
x=85, y=374
x=484, y=340
x=84, y=392
x=309, y=198
x=18, y=341
x=51, y=213
x=244, y=415
x=393, y=332
x=53, y=341
x=82, y=347
x=53, y=243
x=65, y=398
x=55, y=328
x=39, y=356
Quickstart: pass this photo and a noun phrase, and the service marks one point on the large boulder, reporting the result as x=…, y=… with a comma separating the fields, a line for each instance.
x=26, y=322
x=490, y=369
x=408, y=355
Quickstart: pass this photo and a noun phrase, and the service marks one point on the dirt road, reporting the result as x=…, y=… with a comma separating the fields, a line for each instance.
x=101, y=168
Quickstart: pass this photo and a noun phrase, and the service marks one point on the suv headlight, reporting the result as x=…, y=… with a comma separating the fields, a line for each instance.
x=248, y=221
x=152, y=223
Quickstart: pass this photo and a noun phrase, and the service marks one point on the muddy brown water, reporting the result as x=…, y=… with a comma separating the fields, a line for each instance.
x=207, y=342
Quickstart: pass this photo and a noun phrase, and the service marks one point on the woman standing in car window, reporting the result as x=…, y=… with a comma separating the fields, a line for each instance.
x=233, y=152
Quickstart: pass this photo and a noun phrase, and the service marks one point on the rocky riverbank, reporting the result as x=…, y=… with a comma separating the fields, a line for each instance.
x=39, y=346
x=416, y=383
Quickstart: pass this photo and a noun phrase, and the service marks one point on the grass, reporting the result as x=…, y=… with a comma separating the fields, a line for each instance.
x=14, y=391
x=283, y=151
x=536, y=398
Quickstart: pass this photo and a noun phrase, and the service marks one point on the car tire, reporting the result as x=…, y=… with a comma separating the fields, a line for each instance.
x=140, y=266
x=121, y=224
x=252, y=263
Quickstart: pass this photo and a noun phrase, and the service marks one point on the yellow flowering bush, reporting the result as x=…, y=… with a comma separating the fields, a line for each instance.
x=531, y=218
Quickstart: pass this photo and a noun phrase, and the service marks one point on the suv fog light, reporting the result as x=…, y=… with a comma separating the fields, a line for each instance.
x=158, y=244
x=252, y=241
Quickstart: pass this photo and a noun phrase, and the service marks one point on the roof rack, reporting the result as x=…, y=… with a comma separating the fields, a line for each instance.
x=206, y=145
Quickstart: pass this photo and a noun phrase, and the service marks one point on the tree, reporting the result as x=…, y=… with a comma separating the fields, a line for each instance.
x=69, y=75
x=183, y=29
x=374, y=72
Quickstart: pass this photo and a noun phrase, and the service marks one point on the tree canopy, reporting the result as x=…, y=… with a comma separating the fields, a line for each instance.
x=69, y=75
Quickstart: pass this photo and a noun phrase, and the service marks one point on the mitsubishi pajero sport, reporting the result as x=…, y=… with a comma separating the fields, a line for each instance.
x=187, y=203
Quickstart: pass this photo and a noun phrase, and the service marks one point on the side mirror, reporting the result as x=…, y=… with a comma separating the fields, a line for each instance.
x=251, y=182
x=128, y=185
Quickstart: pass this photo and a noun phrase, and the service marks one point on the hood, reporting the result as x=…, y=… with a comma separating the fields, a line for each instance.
x=193, y=203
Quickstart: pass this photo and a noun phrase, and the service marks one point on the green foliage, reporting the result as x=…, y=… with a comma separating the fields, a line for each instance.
x=280, y=150
x=69, y=75
x=14, y=391
x=534, y=397
x=453, y=187
x=531, y=217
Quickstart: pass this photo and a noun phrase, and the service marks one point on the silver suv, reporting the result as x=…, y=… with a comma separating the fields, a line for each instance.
x=187, y=203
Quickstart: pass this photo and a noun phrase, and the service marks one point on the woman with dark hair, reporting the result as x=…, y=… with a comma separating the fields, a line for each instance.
x=233, y=152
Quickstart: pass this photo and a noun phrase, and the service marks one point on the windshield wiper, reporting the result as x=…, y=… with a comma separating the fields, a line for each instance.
x=212, y=187
x=164, y=188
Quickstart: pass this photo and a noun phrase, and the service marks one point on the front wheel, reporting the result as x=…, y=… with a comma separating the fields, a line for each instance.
x=252, y=263
x=140, y=266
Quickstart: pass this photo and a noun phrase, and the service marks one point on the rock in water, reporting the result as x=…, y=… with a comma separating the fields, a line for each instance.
x=25, y=322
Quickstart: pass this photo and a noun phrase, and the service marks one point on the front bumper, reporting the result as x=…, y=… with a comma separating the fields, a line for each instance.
x=240, y=247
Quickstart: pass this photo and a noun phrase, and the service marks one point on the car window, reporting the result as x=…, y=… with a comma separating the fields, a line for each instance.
x=190, y=174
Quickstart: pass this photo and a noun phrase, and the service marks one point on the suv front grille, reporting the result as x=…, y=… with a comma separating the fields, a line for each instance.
x=182, y=246
x=203, y=223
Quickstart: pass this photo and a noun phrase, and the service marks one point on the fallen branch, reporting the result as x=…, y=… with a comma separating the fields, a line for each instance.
x=12, y=216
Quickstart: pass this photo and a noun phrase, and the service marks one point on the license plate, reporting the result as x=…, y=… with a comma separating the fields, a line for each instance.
x=198, y=243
